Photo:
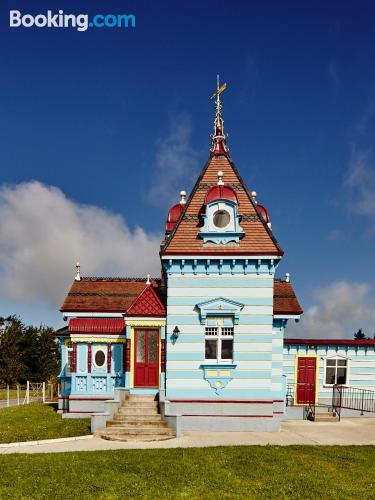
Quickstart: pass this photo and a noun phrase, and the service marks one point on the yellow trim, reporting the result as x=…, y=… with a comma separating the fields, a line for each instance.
x=109, y=340
x=316, y=356
x=132, y=349
x=146, y=322
x=132, y=337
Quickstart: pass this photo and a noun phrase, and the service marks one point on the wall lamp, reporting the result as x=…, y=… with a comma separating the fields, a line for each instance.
x=176, y=332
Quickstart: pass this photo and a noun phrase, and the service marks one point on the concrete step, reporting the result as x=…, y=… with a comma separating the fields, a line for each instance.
x=324, y=417
x=140, y=397
x=119, y=436
x=139, y=418
x=139, y=404
x=140, y=431
x=137, y=411
x=136, y=424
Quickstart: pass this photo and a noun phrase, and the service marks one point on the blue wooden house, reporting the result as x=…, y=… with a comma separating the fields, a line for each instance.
x=206, y=339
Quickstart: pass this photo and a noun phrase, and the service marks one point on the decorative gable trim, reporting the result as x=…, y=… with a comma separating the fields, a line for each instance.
x=147, y=304
x=219, y=307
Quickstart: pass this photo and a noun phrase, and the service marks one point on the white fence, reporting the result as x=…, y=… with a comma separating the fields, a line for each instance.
x=32, y=392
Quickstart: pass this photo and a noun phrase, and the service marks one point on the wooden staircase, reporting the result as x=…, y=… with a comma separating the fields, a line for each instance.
x=137, y=419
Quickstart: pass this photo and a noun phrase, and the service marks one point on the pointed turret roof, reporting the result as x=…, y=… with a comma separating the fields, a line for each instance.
x=185, y=238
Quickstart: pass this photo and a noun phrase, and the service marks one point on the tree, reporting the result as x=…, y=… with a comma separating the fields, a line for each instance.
x=12, y=369
x=27, y=352
x=360, y=335
x=43, y=352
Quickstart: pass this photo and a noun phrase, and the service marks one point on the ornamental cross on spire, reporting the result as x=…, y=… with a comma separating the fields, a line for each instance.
x=218, y=138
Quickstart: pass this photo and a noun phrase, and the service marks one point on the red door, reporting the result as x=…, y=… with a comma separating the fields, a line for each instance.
x=306, y=373
x=146, y=365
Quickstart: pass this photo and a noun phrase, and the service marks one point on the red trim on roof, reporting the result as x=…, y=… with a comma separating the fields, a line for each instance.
x=96, y=325
x=330, y=342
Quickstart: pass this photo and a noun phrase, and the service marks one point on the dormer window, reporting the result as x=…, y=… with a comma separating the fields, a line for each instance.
x=221, y=220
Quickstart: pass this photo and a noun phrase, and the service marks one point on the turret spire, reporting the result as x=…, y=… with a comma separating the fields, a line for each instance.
x=218, y=138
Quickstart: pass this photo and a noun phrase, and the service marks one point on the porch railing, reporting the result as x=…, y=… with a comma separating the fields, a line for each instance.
x=302, y=393
x=352, y=398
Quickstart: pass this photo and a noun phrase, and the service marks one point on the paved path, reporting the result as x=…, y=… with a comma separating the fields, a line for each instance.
x=350, y=431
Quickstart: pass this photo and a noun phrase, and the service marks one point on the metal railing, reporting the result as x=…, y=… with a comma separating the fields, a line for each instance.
x=352, y=398
x=302, y=393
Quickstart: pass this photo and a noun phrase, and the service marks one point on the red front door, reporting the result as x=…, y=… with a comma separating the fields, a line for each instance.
x=306, y=372
x=146, y=365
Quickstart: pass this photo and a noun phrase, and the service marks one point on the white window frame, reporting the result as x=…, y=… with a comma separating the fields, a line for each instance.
x=69, y=358
x=335, y=358
x=104, y=365
x=219, y=337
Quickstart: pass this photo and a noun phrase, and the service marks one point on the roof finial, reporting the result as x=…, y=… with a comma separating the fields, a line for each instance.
x=183, y=197
x=148, y=282
x=287, y=277
x=78, y=272
x=254, y=196
x=220, y=176
x=218, y=138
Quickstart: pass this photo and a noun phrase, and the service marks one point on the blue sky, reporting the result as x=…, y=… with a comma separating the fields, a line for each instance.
x=114, y=122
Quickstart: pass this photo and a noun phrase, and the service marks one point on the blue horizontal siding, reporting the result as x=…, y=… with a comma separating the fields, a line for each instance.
x=256, y=394
x=193, y=319
x=198, y=374
x=252, y=356
x=247, y=301
x=215, y=282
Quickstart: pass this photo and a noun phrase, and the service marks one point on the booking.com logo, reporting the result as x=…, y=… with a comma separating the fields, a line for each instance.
x=81, y=22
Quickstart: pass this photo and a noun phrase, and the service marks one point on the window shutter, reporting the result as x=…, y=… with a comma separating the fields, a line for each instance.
x=74, y=367
x=89, y=355
x=162, y=361
x=109, y=358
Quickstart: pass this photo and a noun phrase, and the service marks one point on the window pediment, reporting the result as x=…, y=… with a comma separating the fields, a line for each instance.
x=219, y=307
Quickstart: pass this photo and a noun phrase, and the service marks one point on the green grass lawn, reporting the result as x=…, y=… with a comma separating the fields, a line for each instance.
x=197, y=473
x=38, y=421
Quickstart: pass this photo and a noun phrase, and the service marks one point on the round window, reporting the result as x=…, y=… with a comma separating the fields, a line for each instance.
x=99, y=358
x=221, y=218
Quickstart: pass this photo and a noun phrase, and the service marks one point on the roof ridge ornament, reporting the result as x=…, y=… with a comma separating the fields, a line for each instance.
x=218, y=138
x=220, y=177
x=148, y=282
x=183, y=197
x=78, y=272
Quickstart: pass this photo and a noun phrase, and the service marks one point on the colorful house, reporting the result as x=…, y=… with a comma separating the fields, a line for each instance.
x=313, y=366
x=207, y=338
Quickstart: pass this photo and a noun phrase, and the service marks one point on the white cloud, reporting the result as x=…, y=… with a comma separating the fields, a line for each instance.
x=340, y=309
x=43, y=233
x=360, y=180
x=176, y=163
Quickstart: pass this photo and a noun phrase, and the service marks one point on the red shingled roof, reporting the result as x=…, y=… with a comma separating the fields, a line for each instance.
x=284, y=299
x=147, y=304
x=105, y=294
x=96, y=325
x=131, y=296
x=185, y=238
